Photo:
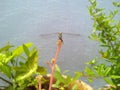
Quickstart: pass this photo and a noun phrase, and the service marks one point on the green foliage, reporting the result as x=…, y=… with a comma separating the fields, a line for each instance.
x=4, y=68
x=117, y=4
x=19, y=65
x=65, y=81
x=106, y=30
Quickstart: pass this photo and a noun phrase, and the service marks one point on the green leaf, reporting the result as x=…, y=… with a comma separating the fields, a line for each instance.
x=92, y=62
x=107, y=70
x=77, y=76
x=8, y=59
x=57, y=68
x=91, y=10
x=89, y=71
x=68, y=80
x=66, y=71
x=41, y=70
x=56, y=85
x=115, y=76
x=108, y=80
x=24, y=73
x=2, y=57
x=27, y=69
x=90, y=79
x=117, y=4
x=19, y=50
x=26, y=50
x=5, y=69
x=5, y=48
x=100, y=69
x=104, y=45
x=59, y=77
x=93, y=2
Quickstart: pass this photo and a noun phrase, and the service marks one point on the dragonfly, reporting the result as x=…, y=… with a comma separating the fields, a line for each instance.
x=69, y=40
x=60, y=35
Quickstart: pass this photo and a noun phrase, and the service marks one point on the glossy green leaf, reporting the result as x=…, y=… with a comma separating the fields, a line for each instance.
x=28, y=68
x=26, y=50
x=6, y=47
x=5, y=69
x=19, y=50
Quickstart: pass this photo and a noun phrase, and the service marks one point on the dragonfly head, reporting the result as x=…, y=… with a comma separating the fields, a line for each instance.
x=60, y=36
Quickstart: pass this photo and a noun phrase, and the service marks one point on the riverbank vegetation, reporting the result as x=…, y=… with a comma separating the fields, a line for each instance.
x=19, y=66
x=19, y=70
x=106, y=31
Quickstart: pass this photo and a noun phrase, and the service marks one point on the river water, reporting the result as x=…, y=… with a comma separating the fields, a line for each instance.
x=24, y=21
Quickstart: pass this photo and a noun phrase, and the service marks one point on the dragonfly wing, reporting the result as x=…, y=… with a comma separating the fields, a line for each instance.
x=71, y=35
x=55, y=35
x=48, y=35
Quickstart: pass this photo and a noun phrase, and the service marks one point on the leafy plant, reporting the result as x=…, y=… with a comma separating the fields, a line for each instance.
x=65, y=82
x=106, y=31
x=19, y=65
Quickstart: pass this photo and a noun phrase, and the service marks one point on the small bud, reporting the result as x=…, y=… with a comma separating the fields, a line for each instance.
x=53, y=60
x=39, y=77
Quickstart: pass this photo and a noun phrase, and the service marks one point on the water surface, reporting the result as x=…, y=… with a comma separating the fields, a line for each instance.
x=22, y=21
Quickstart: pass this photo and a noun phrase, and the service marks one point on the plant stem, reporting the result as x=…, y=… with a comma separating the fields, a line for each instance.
x=59, y=43
x=39, y=81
